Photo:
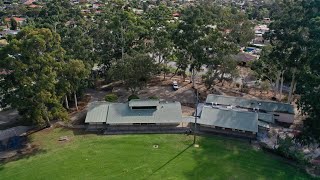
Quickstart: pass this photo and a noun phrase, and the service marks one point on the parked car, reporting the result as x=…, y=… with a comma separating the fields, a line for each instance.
x=175, y=85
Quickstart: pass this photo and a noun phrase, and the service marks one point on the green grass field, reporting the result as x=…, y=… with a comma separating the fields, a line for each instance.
x=133, y=157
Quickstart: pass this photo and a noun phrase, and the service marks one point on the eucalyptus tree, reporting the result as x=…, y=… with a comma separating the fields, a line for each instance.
x=289, y=37
x=160, y=30
x=309, y=78
x=33, y=60
x=134, y=70
x=119, y=31
x=211, y=35
x=75, y=75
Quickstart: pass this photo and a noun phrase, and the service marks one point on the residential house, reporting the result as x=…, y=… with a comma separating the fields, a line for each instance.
x=20, y=21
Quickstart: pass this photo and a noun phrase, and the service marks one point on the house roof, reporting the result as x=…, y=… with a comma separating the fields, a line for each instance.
x=121, y=113
x=269, y=106
x=143, y=103
x=18, y=19
x=228, y=118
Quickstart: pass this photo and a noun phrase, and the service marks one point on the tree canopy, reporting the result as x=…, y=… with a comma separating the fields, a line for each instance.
x=33, y=60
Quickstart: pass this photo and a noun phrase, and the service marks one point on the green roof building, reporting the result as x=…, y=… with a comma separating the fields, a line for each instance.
x=229, y=118
x=135, y=111
x=281, y=112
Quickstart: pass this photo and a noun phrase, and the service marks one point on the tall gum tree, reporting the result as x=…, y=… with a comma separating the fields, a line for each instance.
x=32, y=61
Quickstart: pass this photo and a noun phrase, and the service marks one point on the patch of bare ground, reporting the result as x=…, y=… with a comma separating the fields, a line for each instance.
x=28, y=150
x=82, y=104
x=187, y=111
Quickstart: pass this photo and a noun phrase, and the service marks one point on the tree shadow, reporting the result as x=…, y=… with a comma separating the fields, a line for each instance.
x=229, y=158
x=169, y=161
x=27, y=150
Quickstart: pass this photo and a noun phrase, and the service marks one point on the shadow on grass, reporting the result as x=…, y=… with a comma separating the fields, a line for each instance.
x=227, y=158
x=27, y=151
x=80, y=132
x=172, y=159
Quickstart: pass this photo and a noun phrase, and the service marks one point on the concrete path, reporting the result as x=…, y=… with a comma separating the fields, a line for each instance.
x=8, y=117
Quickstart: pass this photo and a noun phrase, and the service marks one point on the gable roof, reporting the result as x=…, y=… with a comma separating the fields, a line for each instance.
x=121, y=113
x=269, y=106
x=97, y=112
x=228, y=118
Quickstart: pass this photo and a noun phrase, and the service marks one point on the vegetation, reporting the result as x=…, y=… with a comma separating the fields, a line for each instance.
x=50, y=59
x=133, y=156
x=13, y=24
x=134, y=71
x=294, y=54
x=33, y=60
x=111, y=97
x=133, y=96
x=287, y=149
x=154, y=97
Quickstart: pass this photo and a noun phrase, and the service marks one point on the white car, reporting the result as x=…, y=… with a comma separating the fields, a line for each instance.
x=175, y=85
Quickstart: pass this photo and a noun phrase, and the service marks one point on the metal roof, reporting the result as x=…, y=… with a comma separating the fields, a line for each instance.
x=269, y=106
x=121, y=113
x=263, y=124
x=228, y=118
x=276, y=107
x=143, y=103
x=230, y=100
x=266, y=117
x=97, y=112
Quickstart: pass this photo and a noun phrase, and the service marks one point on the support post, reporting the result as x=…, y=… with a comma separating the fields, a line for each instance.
x=195, y=118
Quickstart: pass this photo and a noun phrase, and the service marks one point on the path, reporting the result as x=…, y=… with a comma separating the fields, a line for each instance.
x=8, y=117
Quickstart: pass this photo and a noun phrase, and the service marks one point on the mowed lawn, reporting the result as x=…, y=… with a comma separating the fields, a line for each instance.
x=90, y=156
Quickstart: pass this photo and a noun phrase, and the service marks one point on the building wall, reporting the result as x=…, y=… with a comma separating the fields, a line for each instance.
x=149, y=128
x=226, y=131
x=283, y=117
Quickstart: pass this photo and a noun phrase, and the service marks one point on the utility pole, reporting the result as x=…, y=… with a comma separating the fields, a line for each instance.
x=195, y=117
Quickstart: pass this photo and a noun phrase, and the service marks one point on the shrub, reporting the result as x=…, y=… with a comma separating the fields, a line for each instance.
x=133, y=96
x=287, y=149
x=153, y=97
x=265, y=86
x=111, y=97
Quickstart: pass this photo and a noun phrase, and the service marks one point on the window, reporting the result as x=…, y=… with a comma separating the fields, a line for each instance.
x=144, y=107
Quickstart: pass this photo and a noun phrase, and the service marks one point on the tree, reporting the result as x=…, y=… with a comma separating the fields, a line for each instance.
x=76, y=74
x=289, y=37
x=309, y=80
x=77, y=43
x=268, y=67
x=135, y=71
x=13, y=24
x=208, y=34
x=295, y=42
x=160, y=36
x=33, y=60
x=119, y=31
